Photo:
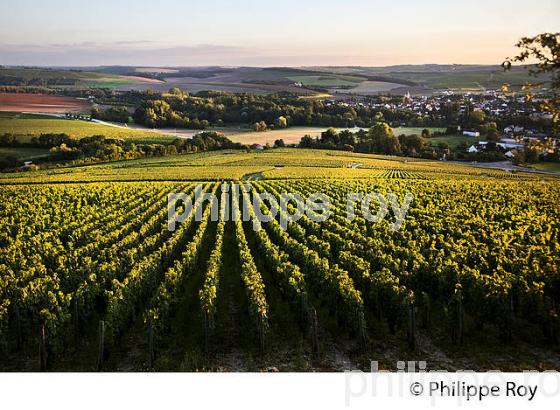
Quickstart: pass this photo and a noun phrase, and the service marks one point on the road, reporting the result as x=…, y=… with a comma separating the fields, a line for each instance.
x=503, y=165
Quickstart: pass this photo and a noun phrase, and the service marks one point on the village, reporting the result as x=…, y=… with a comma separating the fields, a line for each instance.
x=520, y=123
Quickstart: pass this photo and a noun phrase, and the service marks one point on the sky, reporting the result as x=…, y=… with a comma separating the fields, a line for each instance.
x=265, y=33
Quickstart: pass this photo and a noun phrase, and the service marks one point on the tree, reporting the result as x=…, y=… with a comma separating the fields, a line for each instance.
x=171, y=150
x=260, y=126
x=382, y=140
x=175, y=91
x=329, y=136
x=279, y=143
x=8, y=162
x=306, y=142
x=282, y=122
x=412, y=144
x=477, y=116
x=531, y=154
x=153, y=113
x=7, y=140
x=346, y=137
x=492, y=134
x=545, y=49
x=116, y=114
x=426, y=133
x=519, y=159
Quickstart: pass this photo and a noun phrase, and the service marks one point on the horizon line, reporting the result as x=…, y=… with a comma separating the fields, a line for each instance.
x=3, y=65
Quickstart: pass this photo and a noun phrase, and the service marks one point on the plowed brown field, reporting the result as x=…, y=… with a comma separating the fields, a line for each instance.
x=42, y=103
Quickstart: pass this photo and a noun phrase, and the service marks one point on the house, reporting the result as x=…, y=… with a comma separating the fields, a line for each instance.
x=504, y=147
x=508, y=140
x=475, y=134
x=511, y=154
x=537, y=135
x=258, y=147
x=513, y=129
x=510, y=143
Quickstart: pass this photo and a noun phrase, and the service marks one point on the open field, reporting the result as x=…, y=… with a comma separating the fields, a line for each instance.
x=370, y=87
x=418, y=79
x=415, y=130
x=421, y=79
x=68, y=78
x=290, y=135
x=155, y=70
x=121, y=81
x=430, y=77
x=546, y=166
x=293, y=135
x=455, y=140
x=80, y=245
x=23, y=153
x=242, y=79
x=346, y=84
x=326, y=81
x=469, y=80
x=43, y=103
x=267, y=80
x=25, y=127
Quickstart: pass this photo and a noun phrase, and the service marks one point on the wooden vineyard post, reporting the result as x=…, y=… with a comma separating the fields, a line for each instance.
x=19, y=338
x=101, y=354
x=378, y=305
x=509, y=335
x=313, y=323
x=362, y=328
x=206, y=335
x=550, y=324
x=151, y=342
x=42, y=348
x=426, y=310
x=303, y=310
x=456, y=317
x=75, y=319
x=411, y=327
x=554, y=324
x=460, y=320
x=261, y=334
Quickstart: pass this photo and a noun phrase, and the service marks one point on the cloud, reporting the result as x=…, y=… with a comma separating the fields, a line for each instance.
x=132, y=42
x=117, y=53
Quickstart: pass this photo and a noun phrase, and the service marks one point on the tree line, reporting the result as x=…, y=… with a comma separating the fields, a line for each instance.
x=379, y=139
x=97, y=148
x=209, y=108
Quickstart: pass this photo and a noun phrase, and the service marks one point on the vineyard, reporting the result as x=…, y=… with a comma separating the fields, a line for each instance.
x=26, y=126
x=92, y=279
x=280, y=164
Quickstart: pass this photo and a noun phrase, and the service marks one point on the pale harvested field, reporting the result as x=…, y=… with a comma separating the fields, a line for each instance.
x=370, y=87
x=293, y=135
x=290, y=135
